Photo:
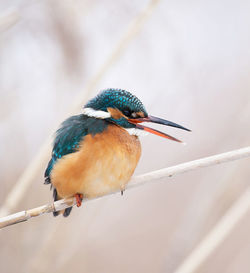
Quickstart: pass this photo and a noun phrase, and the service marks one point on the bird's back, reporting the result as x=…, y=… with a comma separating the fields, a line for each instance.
x=67, y=140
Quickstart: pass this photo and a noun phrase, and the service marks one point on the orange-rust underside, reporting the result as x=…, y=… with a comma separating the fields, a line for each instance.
x=104, y=163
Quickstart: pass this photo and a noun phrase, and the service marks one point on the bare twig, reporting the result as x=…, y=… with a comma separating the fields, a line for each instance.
x=26, y=215
x=192, y=165
x=136, y=181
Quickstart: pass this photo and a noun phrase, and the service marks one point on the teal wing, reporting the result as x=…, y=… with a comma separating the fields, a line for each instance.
x=67, y=140
x=68, y=137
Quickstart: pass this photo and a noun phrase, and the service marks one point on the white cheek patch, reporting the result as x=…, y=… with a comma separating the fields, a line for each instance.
x=136, y=132
x=90, y=112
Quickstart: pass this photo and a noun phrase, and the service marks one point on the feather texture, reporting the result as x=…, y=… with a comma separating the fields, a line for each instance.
x=104, y=163
x=67, y=140
x=69, y=135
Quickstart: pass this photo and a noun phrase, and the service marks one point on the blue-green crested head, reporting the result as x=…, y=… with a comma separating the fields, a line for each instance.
x=119, y=99
x=126, y=110
x=116, y=105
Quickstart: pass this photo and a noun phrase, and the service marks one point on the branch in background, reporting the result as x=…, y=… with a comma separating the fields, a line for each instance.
x=135, y=182
x=9, y=19
x=217, y=235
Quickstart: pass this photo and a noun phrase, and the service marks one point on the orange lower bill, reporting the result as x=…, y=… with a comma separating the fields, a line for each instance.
x=156, y=132
x=153, y=119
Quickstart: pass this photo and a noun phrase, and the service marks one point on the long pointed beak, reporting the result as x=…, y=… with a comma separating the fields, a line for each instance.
x=159, y=121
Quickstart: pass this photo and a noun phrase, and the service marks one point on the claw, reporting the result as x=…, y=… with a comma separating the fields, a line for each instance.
x=79, y=198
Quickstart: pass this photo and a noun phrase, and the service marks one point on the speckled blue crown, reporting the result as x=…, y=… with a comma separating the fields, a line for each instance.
x=116, y=98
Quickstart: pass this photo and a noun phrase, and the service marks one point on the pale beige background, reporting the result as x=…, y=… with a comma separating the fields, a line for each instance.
x=190, y=63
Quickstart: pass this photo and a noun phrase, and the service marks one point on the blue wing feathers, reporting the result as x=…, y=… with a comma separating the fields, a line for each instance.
x=69, y=136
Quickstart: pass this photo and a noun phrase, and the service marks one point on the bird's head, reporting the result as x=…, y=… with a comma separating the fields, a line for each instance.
x=126, y=110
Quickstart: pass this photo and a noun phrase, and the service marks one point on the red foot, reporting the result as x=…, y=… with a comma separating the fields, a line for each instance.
x=79, y=198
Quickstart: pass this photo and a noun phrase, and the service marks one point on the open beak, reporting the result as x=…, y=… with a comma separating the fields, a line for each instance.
x=159, y=121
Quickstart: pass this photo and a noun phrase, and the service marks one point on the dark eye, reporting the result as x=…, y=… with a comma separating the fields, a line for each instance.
x=127, y=112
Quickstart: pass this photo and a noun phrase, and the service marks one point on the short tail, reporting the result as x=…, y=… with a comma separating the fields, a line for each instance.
x=65, y=212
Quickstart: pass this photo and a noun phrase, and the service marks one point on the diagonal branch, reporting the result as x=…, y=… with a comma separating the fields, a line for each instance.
x=217, y=235
x=135, y=182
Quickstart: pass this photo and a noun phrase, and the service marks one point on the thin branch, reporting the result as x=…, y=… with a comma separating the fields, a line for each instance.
x=192, y=165
x=135, y=182
x=22, y=185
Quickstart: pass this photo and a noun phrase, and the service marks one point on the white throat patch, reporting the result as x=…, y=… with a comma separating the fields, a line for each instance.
x=90, y=112
x=136, y=132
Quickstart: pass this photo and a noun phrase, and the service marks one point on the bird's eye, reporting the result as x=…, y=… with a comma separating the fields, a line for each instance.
x=127, y=113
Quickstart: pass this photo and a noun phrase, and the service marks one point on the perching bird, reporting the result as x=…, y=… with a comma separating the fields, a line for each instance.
x=96, y=152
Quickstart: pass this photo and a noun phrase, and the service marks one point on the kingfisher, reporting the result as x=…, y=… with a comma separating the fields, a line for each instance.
x=96, y=152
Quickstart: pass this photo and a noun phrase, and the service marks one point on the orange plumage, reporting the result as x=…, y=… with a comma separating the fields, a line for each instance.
x=104, y=163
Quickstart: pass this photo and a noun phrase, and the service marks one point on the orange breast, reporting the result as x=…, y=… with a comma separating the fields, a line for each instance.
x=104, y=163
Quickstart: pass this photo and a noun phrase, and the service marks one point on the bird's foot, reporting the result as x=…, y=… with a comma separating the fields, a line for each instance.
x=79, y=198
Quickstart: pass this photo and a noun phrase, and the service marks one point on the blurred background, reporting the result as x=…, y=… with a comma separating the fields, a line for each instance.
x=189, y=62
